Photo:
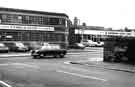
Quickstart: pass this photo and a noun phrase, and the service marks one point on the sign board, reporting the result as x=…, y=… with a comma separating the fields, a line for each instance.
x=20, y=27
x=106, y=33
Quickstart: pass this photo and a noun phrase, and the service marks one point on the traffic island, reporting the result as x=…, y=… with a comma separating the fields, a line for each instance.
x=105, y=65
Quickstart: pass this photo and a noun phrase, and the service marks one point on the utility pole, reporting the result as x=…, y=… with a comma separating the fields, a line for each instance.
x=82, y=31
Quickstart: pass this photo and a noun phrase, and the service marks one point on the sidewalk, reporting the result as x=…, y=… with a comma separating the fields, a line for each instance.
x=107, y=65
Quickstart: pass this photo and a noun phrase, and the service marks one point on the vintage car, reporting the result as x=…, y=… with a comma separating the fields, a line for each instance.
x=49, y=50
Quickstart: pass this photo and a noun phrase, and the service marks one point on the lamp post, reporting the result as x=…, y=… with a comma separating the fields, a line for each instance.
x=82, y=31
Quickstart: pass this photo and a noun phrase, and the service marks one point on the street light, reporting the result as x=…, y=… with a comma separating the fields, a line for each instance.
x=82, y=31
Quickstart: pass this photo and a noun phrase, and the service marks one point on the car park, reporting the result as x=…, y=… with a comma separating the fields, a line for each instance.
x=16, y=46
x=3, y=48
x=49, y=50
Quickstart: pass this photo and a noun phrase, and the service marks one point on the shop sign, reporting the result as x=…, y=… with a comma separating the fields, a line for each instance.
x=20, y=27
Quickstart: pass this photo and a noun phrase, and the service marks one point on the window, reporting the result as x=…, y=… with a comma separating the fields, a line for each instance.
x=53, y=21
x=31, y=20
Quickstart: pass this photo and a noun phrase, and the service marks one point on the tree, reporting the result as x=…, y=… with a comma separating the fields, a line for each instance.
x=83, y=24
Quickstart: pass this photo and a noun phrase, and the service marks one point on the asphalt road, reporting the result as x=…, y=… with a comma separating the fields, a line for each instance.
x=52, y=72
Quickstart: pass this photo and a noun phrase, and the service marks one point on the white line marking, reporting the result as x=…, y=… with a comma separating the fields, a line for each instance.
x=5, y=64
x=26, y=65
x=73, y=53
x=5, y=84
x=82, y=76
x=67, y=62
x=20, y=64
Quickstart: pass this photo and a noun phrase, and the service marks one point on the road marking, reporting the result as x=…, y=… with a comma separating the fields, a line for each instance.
x=20, y=64
x=73, y=53
x=4, y=84
x=67, y=62
x=82, y=76
x=26, y=65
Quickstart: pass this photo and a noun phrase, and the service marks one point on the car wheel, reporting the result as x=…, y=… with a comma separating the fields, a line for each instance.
x=112, y=59
x=61, y=55
x=55, y=56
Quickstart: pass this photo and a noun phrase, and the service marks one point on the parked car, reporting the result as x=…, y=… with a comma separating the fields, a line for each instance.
x=90, y=43
x=100, y=44
x=3, y=48
x=85, y=43
x=49, y=50
x=16, y=46
x=76, y=46
x=32, y=45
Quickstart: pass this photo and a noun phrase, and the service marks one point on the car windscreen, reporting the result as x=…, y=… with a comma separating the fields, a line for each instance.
x=19, y=44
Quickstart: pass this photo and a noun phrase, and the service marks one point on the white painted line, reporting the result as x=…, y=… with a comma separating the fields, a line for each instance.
x=67, y=62
x=4, y=84
x=82, y=76
x=26, y=65
x=20, y=64
x=5, y=64
x=73, y=53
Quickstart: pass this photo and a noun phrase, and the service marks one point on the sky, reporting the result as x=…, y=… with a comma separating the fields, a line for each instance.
x=116, y=14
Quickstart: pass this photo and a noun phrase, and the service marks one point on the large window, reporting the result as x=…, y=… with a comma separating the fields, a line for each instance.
x=30, y=20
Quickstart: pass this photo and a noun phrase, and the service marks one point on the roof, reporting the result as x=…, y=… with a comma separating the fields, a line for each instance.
x=33, y=12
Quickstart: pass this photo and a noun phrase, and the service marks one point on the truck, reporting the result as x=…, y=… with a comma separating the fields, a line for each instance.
x=47, y=49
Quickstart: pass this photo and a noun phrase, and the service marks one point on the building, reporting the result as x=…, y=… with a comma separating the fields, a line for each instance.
x=29, y=25
x=94, y=33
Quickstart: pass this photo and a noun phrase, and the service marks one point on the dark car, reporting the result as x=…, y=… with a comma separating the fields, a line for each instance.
x=3, y=48
x=76, y=46
x=49, y=50
x=16, y=46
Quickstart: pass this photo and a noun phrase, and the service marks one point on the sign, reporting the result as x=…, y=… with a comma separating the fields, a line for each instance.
x=19, y=27
x=106, y=33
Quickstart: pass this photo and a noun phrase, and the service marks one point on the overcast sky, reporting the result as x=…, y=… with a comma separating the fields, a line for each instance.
x=106, y=13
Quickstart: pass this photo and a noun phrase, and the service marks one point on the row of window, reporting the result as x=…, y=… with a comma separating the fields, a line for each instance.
x=31, y=36
x=35, y=20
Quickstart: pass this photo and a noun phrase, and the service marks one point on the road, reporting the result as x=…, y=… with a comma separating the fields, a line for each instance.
x=52, y=72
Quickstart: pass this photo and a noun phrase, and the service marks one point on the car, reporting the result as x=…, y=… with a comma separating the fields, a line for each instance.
x=91, y=43
x=76, y=46
x=16, y=46
x=49, y=50
x=32, y=45
x=100, y=44
x=85, y=43
x=3, y=48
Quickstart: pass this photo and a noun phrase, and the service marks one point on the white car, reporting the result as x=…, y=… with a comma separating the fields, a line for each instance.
x=100, y=44
x=90, y=43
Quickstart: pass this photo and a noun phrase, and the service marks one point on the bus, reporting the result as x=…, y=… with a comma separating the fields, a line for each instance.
x=19, y=25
